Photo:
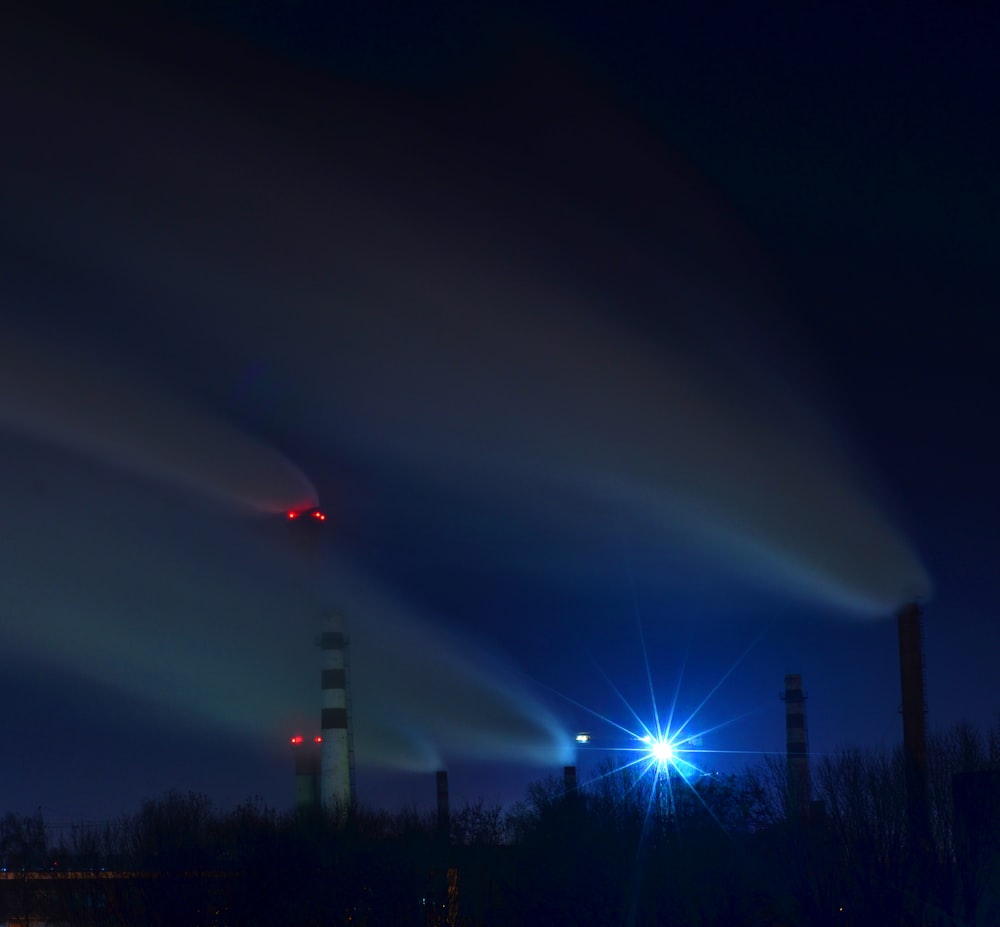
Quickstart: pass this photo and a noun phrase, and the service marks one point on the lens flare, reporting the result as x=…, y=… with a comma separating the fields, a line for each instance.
x=662, y=751
x=666, y=746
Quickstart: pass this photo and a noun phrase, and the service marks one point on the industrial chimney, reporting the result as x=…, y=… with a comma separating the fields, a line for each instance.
x=335, y=717
x=797, y=750
x=307, y=771
x=914, y=709
x=443, y=804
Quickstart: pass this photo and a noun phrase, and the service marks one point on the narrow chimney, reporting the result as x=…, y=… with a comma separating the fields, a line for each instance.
x=914, y=708
x=797, y=750
x=307, y=772
x=336, y=759
x=443, y=804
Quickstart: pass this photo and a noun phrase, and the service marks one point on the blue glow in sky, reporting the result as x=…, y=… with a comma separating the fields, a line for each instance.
x=666, y=281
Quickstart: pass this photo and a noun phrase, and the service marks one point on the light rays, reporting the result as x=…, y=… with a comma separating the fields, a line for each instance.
x=663, y=744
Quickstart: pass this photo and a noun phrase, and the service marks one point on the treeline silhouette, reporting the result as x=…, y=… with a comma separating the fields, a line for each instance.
x=620, y=849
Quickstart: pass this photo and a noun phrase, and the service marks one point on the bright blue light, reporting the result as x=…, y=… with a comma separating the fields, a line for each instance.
x=662, y=751
x=667, y=746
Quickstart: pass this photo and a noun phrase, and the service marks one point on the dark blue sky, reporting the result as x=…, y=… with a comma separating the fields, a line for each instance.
x=592, y=331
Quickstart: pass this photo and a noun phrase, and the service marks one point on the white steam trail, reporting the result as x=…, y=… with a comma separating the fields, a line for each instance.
x=77, y=403
x=402, y=328
x=423, y=694
x=213, y=619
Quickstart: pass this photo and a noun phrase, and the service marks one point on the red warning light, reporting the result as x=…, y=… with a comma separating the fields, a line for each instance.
x=319, y=515
x=297, y=739
x=317, y=739
x=293, y=514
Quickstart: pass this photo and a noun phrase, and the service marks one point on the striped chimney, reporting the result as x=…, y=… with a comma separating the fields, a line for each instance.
x=335, y=780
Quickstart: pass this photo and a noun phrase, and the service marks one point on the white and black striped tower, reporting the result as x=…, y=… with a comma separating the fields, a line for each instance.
x=335, y=776
x=336, y=755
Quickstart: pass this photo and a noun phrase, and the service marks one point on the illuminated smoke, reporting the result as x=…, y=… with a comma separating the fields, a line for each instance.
x=150, y=593
x=213, y=617
x=422, y=693
x=92, y=409
x=407, y=326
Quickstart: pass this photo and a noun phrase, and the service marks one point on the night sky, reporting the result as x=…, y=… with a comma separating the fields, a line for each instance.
x=639, y=354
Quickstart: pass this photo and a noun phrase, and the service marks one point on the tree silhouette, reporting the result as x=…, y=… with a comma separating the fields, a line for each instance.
x=624, y=848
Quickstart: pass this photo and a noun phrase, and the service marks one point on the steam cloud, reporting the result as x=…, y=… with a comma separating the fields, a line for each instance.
x=66, y=399
x=215, y=618
x=411, y=327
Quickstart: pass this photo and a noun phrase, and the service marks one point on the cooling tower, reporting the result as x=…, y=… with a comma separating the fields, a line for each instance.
x=797, y=747
x=336, y=753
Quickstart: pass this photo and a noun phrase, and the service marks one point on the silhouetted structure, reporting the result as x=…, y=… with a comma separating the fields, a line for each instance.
x=799, y=791
x=307, y=753
x=443, y=803
x=620, y=849
x=914, y=708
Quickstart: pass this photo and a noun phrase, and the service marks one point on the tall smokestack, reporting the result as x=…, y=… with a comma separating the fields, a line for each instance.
x=443, y=804
x=307, y=772
x=911, y=673
x=797, y=747
x=335, y=719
